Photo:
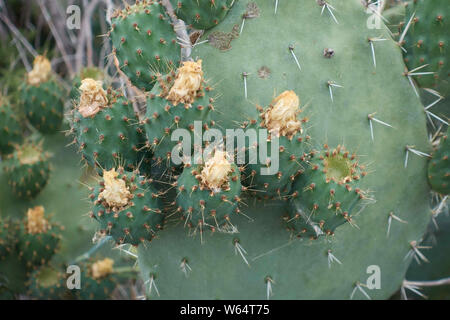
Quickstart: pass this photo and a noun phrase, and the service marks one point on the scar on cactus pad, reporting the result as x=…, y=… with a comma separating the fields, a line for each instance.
x=281, y=120
x=209, y=194
x=327, y=193
x=127, y=207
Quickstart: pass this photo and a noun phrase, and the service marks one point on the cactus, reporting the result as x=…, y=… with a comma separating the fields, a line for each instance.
x=356, y=97
x=439, y=168
x=27, y=170
x=327, y=193
x=427, y=41
x=6, y=239
x=48, y=283
x=89, y=72
x=177, y=105
x=39, y=239
x=127, y=207
x=282, y=119
x=97, y=280
x=10, y=130
x=106, y=128
x=144, y=42
x=209, y=194
x=202, y=14
x=42, y=97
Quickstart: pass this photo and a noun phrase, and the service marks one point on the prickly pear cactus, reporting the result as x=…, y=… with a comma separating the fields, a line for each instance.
x=144, y=42
x=176, y=105
x=43, y=98
x=89, y=72
x=439, y=167
x=97, y=280
x=27, y=170
x=427, y=41
x=6, y=239
x=209, y=195
x=10, y=129
x=281, y=118
x=357, y=96
x=127, y=207
x=327, y=193
x=48, y=283
x=202, y=14
x=105, y=128
x=39, y=239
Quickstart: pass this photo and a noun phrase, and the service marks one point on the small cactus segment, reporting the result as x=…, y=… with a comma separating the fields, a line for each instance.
x=427, y=41
x=282, y=120
x=43, y=98
x=6, y=238
x=89, y=72
x=27, y=170
x=176, y=106
x=39, y=239
x=106, y=128
x=202, y=14
x=144, y=42
x=10, y=130
x=97, y=280
x=327, y=193
x=127, y=207
x=208, y=195
x=439, y=166
x=48, y=283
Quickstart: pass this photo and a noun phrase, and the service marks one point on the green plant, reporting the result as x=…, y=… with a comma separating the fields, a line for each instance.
x=144, y=42
x=27, y=170
x=43, y=97
x=202, y=14
x=356, y=92
x=10, y=129
x=439, y=168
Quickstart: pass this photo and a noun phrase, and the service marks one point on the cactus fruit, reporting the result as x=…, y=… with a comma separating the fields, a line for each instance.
x=127, y=207
x=106, y=128
x=176, y=106
x=439, y=166
x=281, y=119
x=27, y=170
x=89, y=72
x=39, y=239
x=209, y=194
x=427, y=41
x=48, y=283
x=327, y=193
x=328, y=61
x=97, y=280
x=10, y=130
x=42, y=97
x=144, y=42
x=202, y=14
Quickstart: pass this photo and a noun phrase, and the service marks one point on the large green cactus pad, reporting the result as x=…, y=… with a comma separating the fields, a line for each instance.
x=295, y=268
